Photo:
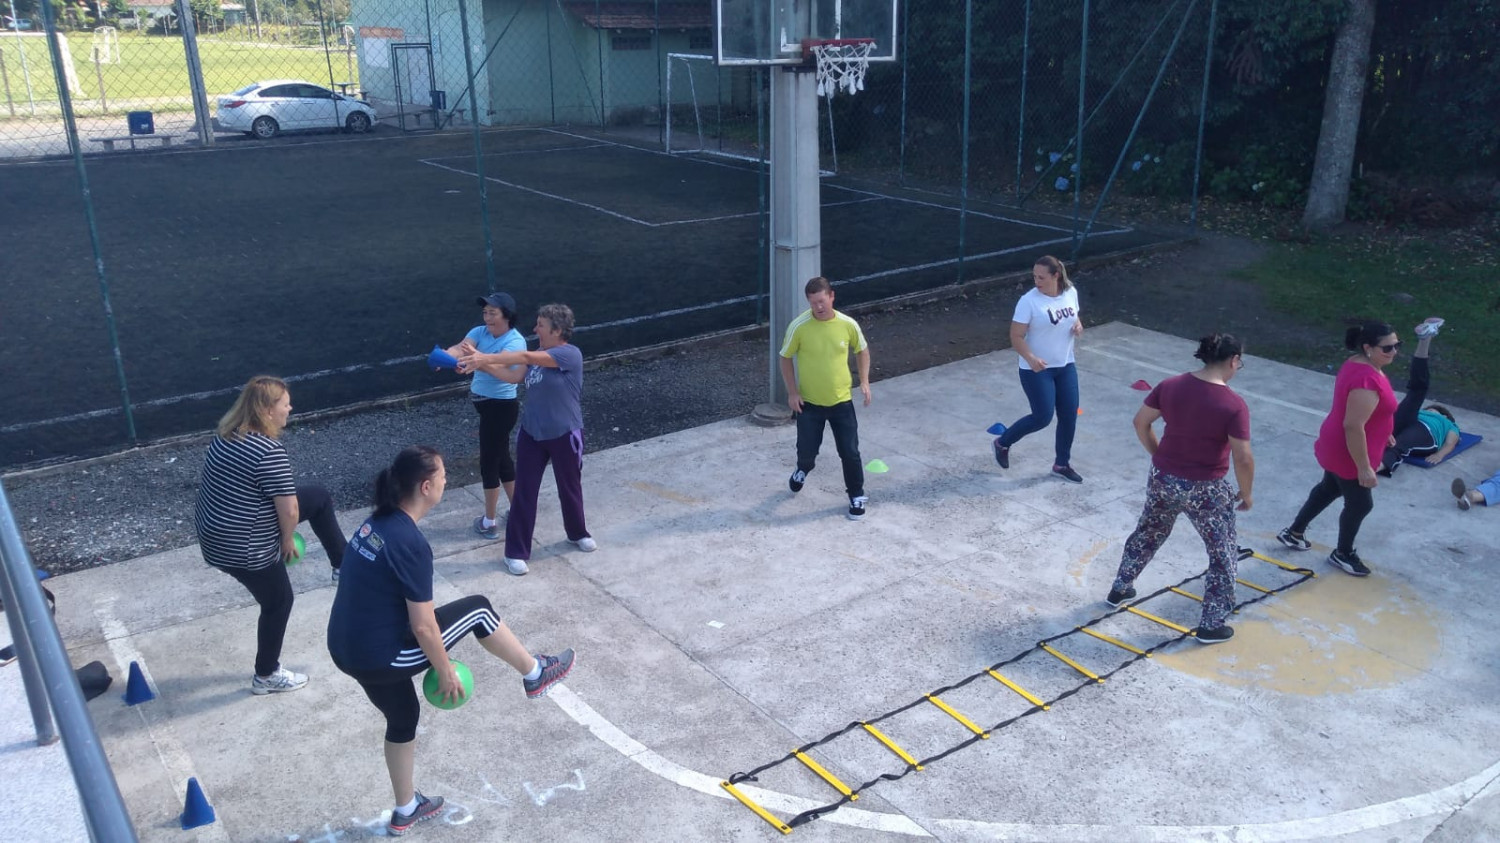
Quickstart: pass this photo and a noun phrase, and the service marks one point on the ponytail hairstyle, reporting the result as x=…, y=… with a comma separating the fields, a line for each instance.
x=1055, y=267
x=1365, y=333
x=1218, y=348
x=399, y=483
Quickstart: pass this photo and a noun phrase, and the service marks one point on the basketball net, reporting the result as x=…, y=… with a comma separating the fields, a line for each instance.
x=842, y=65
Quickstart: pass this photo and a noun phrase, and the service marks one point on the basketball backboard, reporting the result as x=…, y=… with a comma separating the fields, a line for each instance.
x=772, y=31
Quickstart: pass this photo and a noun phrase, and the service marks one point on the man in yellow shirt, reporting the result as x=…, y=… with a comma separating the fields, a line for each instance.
x=818, y=388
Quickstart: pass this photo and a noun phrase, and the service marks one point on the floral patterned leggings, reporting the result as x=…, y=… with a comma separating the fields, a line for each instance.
x=1209, y=505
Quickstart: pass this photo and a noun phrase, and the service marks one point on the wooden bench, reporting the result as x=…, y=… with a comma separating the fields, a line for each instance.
x=109, y=143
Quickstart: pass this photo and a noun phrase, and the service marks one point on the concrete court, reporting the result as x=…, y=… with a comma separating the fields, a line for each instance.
x=724, y=621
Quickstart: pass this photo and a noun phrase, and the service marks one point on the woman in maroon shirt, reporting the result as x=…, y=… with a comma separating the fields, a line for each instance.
x=1350, y=443
x=1206, y=424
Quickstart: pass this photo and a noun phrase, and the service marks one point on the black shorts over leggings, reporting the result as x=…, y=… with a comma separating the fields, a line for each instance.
x=391, y=688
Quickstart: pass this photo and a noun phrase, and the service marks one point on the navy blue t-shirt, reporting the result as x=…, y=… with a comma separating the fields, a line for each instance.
x=387, y=563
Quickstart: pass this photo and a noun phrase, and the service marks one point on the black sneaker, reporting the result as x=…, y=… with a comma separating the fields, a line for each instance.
x=1295, y=541
x=796, y=480
x=554, y=668
x=1246, y=553
x=1115, y=598
x=1349, y=562
x=857, y=507
x=1067, y=473
x=427, y=808
x=1213, y=636
x=1002, y=454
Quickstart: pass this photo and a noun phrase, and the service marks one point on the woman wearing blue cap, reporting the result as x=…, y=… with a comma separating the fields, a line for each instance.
x=493, y=392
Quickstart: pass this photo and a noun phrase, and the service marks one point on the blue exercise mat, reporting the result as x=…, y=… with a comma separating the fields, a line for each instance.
x=1465, y=442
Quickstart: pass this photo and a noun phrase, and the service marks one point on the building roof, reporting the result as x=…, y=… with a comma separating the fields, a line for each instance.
x=643, y=14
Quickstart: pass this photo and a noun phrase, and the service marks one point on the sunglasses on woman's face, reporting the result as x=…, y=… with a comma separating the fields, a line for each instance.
x=1390, y=349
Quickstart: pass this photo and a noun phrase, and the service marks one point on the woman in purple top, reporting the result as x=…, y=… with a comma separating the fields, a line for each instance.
x=1207, y=423
x=551, y=431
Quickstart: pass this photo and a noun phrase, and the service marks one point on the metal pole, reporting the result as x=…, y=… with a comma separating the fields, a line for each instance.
x=103, y=807
x=551, y=76
x=963, y=177
x=328, y=60
x=1083, y=75
x=599, y=51
x=656, y=40
x=1208, y=62
x=99, y=77
x=762, y=278
x=195, y=73
x=484, y=193
x=70, y=124
x=5, y=78
x=905, y=36
x=1021, y=117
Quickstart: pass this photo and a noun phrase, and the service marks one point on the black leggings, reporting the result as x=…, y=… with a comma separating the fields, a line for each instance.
x=1358, y=501
x=1412, y=437
x=272, y=589
x=497, y=417
x=315, y=506
x=391, y=689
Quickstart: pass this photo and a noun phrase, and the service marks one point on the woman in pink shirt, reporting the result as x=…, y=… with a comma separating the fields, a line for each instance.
x=1350, y=442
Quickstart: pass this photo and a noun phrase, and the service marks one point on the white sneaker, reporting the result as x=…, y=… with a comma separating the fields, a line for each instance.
x=280, y=682
x=587, y=544
x=1429, y=327
x=516, y=566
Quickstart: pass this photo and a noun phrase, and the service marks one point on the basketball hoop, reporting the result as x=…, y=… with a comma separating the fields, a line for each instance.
x=841, y=62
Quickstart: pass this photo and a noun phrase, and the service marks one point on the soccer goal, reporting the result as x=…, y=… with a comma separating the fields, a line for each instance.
x=105, y=48
x=711, y=110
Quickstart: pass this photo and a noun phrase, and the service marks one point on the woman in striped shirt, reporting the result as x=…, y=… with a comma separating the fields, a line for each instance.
x=248, y=506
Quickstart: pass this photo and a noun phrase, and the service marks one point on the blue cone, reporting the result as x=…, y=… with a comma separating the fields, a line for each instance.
x=137, y=690
x=996, y=429
x=195, y=809
x=440, y=359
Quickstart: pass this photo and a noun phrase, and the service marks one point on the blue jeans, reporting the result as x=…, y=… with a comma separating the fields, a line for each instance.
x=1047, y=390
x=845, y=426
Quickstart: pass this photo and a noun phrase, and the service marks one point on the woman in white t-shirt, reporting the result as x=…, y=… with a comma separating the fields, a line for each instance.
x=1042, y=332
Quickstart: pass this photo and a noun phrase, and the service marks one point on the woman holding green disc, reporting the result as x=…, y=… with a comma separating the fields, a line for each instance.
x=384, y=628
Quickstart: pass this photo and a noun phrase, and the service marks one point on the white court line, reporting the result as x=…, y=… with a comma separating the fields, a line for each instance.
x=1173, y=372
x=175, y=760
x=1444, y=801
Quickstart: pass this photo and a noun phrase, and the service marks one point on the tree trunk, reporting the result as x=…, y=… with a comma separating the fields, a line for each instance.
x=1328, y=193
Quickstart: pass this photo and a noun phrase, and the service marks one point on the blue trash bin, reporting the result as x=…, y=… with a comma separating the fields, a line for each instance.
x=140, y=123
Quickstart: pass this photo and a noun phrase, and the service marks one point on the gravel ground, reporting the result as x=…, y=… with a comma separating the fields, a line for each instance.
x=116, y=508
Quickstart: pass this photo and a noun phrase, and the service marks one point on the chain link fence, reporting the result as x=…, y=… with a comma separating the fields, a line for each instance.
x=358, y=169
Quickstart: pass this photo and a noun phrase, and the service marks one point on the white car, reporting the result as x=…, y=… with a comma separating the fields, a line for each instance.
x=266, y=109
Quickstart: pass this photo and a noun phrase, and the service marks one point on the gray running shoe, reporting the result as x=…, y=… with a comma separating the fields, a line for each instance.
x=554, y=668
x=280, y=682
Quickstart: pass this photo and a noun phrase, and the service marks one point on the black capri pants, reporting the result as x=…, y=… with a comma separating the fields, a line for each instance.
x=497, y=418
x=391, y=689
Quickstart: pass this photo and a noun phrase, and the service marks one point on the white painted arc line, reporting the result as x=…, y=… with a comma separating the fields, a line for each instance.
x=610, y=734
x=1368, y=818
x=1172, y=372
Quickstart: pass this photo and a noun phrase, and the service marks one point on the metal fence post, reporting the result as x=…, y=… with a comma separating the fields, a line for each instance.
x=195, y=73
x=484, y=193
x=963, y=167
x=1083, y=78
x=1208, y=63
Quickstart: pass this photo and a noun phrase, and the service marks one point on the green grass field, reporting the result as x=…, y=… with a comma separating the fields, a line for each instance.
x=153, y=69
x=1402, y=279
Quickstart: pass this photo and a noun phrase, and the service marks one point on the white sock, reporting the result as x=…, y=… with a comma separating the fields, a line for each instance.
x=488, y=522
x=409, y=807
x=535, y=674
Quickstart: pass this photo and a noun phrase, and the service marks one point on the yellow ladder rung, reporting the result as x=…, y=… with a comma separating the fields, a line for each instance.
x=1262, y=589
x=1284, y=566
x=1070, y=663
x=1030, y=697
x=1163, y=621
x=1188, y=594
x=891, y=745
x=749, y=803
x=967, y=724
x=827, y=776
x=1115, y=641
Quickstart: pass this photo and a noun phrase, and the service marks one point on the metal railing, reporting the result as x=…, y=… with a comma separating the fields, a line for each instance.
x=52, y=687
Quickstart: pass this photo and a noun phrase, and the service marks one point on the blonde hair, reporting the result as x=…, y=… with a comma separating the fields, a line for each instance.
x=251, y=412
x=1056, y=267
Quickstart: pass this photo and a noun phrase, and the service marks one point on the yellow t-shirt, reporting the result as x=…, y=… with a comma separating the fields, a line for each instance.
x=821, y=349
